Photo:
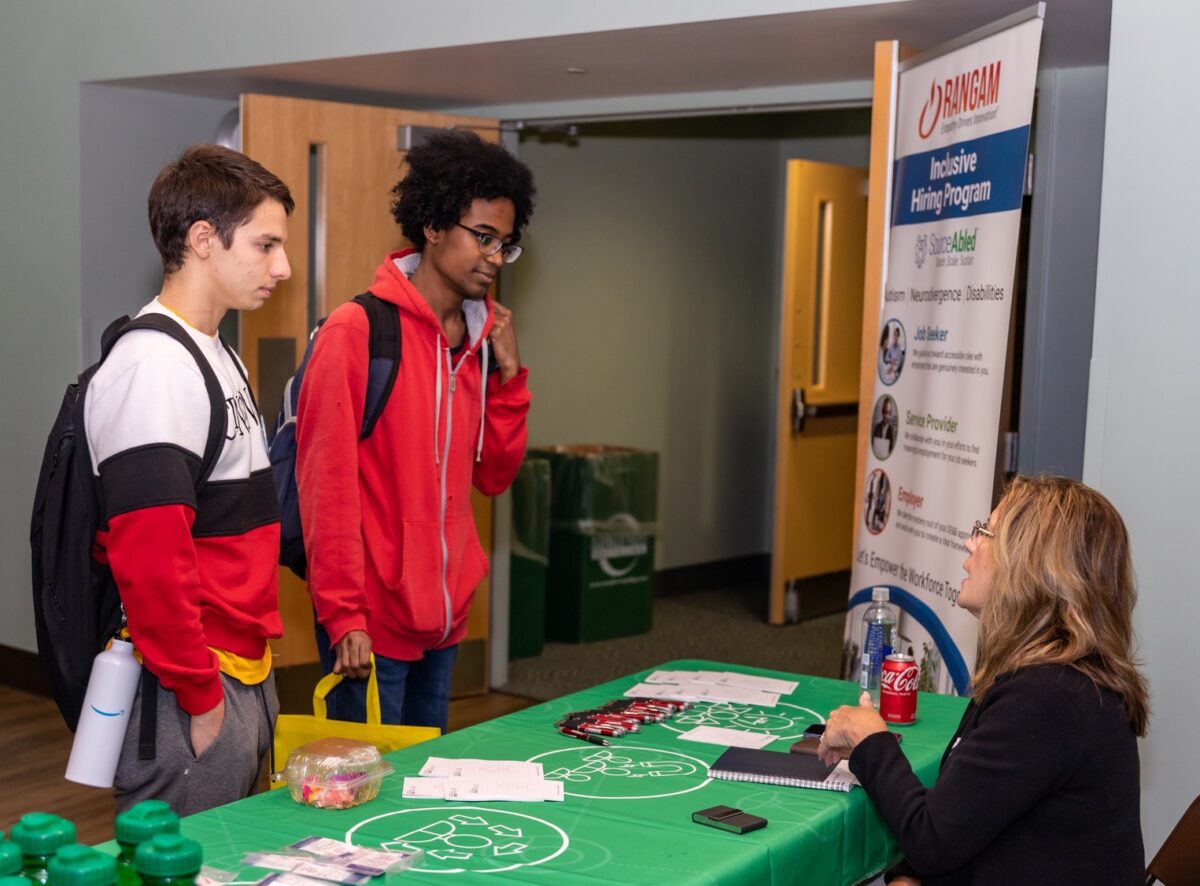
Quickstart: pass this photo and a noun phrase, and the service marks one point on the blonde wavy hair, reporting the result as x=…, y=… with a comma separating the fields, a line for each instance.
x=1063, y=591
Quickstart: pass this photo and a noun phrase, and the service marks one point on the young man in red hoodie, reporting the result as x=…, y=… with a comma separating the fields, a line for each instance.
x=393, y=553
x=196, y=571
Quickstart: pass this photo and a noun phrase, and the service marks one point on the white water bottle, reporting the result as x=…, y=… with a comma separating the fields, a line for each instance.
x=878, y=637
x=105, y=716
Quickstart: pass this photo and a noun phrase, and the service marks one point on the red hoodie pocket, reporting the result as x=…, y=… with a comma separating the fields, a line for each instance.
x=468, y=563
x=410, y=573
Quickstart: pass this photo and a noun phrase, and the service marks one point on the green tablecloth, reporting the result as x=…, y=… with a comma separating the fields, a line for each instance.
x=627, y=814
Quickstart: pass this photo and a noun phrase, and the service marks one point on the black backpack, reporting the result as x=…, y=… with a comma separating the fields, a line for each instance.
x=76, y=603
x=383, y=319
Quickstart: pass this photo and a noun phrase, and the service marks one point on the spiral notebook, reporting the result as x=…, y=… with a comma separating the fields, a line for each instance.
x=774, y=767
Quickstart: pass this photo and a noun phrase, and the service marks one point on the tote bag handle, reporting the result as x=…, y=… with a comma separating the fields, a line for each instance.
x=330, y=680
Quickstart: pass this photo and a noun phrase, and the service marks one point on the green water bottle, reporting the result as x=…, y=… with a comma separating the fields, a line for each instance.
x=11, y=861
x=168, y=860
x=77, y=865
x=40, y=835
x=134, y=827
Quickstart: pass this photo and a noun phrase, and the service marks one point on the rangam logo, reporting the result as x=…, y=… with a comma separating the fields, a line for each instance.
x=935, y=102
x=969, y=91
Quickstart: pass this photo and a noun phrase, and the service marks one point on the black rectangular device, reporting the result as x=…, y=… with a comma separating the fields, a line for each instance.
x=729, y=819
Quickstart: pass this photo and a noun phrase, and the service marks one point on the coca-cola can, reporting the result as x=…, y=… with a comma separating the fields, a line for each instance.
x=898, y=689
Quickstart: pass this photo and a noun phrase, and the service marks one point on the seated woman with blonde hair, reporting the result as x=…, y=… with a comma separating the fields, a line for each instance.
x=1040, y=784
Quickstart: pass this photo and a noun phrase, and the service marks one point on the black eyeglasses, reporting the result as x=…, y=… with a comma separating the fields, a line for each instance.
x=981, y=528
x=490, y=244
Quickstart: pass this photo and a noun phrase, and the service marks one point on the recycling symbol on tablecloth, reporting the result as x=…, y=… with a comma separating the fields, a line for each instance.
x=748, y=718
x=463, y=838
x=627, y=772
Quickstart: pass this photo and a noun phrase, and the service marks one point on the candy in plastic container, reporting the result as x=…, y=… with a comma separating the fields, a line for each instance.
x=335, y=773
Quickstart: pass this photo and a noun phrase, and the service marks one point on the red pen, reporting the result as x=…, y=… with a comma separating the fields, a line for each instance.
x=630, y=724
x=650, y=715
x=601, y=729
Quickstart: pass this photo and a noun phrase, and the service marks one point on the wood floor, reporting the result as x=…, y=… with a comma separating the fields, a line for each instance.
x=35, y=744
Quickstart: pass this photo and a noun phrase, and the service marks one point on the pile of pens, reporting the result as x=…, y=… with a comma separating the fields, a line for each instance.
x=618, y=717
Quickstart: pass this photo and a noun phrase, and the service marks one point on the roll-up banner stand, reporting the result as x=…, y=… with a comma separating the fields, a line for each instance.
x=960, y=140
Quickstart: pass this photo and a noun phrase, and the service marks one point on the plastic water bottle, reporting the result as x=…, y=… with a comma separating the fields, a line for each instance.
x=106, y=707
x=40, y=835
x=878, y=636
x=168, y=860
x=77, y=865
x=134, y=827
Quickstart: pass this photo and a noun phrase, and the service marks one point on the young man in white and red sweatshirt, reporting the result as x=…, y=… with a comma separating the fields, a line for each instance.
x=197, y=573
x=393, y=553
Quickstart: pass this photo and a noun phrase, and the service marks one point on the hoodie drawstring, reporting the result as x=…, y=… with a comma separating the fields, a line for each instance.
x=437, y=400
x=437, y=406
x=483, y=383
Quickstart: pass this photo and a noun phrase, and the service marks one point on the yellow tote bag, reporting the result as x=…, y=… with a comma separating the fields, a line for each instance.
x=294, y=730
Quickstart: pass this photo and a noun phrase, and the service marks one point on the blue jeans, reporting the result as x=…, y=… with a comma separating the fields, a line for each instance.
x=411, y=693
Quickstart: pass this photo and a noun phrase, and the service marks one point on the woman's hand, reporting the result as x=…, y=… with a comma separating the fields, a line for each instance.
x=846, y=727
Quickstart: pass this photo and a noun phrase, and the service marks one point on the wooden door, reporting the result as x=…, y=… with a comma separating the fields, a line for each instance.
x=340, y=162
x=817, y=397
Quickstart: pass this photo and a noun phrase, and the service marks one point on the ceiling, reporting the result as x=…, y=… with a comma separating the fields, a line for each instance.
x=825, y=46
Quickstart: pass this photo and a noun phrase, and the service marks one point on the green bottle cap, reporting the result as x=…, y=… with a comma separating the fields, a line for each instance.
x=168, y=855
x=10, y=858
x=39, y=833
x=143, y=821
x=77, y=865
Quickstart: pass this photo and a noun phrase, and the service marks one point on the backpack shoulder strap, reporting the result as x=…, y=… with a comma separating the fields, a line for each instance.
x=237, y=362
x=216, y=397
x=383, y=319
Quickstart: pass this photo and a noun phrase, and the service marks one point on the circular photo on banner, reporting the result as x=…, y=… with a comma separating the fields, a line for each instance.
x=877, y=501
x=885, y=426
x=893, y=342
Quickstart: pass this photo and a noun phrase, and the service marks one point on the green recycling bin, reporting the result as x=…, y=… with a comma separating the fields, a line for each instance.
x=529, y=558
x=604, y=515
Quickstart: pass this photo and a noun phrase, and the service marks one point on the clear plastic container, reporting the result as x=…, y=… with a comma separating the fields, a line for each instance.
x=335, y=773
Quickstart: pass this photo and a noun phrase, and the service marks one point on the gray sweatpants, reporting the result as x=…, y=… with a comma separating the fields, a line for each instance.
x=227, y=771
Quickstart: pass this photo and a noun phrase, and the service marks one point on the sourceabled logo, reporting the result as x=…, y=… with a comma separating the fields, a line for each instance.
x=963, y=241
x=922, y=247
x=969, y=91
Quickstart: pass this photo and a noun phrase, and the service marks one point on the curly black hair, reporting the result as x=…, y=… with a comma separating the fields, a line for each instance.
x=449, y=170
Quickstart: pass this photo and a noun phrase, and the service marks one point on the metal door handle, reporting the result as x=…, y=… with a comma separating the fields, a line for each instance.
x=802, y=411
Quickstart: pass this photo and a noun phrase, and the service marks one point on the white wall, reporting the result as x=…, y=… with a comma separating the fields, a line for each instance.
x=1143, y=407
x=126, y=137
